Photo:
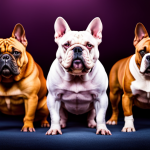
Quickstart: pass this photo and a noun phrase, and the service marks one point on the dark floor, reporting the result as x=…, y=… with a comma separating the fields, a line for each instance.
x=75, y=136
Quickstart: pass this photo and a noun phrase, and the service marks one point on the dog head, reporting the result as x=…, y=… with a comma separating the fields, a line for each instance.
x=142, y=45
x=77, y=50
x=13, y=55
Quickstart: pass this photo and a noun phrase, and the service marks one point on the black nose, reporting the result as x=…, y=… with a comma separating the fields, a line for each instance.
x=5, y=57
x=148, y=57
x=77, y=49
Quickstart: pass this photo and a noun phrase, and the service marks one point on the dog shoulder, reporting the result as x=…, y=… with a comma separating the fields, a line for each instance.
x=55, y=75
x=31, y=79
x=128, y=78
x=99, y=75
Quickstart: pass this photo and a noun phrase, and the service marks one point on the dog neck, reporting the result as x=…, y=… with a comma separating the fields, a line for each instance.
x=69, y=77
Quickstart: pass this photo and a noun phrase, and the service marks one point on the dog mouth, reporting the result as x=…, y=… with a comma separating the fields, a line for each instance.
x=6, y=71
x=77, y=64
x=147, y=70
x=78, y=67
x=8, y=66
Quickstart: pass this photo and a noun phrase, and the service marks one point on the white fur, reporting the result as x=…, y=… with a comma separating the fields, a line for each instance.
x=59, y=82
x=140, y=85
x=128, y=123
x=7, y=102
x=144, y=63
x=78, y=93
x=92, y=35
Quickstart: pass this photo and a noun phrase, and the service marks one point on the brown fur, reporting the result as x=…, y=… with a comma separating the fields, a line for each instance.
x=24, y=93
x=120, y=78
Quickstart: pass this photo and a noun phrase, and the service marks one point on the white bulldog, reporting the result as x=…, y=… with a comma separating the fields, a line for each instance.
x=77, y=81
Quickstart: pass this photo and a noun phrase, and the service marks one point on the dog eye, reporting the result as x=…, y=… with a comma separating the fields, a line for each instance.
x=89, y=46
x=16, y=52
x=66, y=45
x=142, y=52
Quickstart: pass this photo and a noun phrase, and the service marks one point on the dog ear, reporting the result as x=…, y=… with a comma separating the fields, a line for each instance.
x=19, y=34
x=61, y=27
x=95, y=28
x=140, y=33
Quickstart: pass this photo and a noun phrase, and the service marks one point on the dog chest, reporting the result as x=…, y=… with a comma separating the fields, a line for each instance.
x=12, y=105
x=77, y=99
x=140, y=87
x=77, y=85
x=15, y=100
x=141, y=95
x=77, y=90
x=10, y=94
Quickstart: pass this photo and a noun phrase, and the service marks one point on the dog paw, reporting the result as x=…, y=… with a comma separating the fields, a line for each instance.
x=27, y=129
x=63, y=123
x=103, y=132
x=45, y=124
x=91, y=123
x=53, y=132
x=111, y=122
x=128, y=129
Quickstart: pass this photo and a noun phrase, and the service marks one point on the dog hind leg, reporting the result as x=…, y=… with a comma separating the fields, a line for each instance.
x=115, y=99
x=42, y=114
x=90, y=119
x=63, y=117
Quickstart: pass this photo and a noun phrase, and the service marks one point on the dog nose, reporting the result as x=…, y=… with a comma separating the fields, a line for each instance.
x=77, y=49
x=6, y=57
x=148, y=58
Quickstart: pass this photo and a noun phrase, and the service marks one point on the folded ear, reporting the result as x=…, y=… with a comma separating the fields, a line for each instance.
x=95, y=28
x=140, y=33
x=61, y=27
x=19, y=34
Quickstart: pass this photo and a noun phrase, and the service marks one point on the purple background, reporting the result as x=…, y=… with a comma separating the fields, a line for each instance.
x=119, y=19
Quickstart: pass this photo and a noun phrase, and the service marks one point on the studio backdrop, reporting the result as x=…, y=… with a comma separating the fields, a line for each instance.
x=119, y=19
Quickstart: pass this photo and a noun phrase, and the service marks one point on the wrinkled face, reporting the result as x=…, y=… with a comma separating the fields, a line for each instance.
x=143, y=56
x=142, y=45
x=80, y=52
x=8, y=60
x=13, y=54
x=77, y=51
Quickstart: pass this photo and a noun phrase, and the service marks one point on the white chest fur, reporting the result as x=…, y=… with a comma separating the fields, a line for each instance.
x=77, y=95
x=77, y=92
x=140, y=87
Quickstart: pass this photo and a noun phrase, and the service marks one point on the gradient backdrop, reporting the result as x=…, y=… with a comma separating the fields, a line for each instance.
x=118, y=17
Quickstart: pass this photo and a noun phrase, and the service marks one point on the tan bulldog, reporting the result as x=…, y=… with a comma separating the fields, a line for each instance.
x=22, y=83
x=132, y=76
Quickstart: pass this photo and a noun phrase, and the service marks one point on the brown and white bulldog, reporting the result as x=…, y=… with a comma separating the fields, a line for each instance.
x=132, y=75
x=22, y=83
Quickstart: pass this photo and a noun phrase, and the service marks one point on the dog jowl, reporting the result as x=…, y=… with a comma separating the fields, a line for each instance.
x=77, y=81
x=8, y=60
x=22, y=83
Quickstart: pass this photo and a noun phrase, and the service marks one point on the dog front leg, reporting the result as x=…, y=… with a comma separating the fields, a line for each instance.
x=30, y=109
x=54, y=107
x=101, y=105
x=127, y=108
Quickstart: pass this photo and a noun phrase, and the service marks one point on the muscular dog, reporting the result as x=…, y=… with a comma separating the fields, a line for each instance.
x=132, y=76
x=22, y=83
x=77, y=81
